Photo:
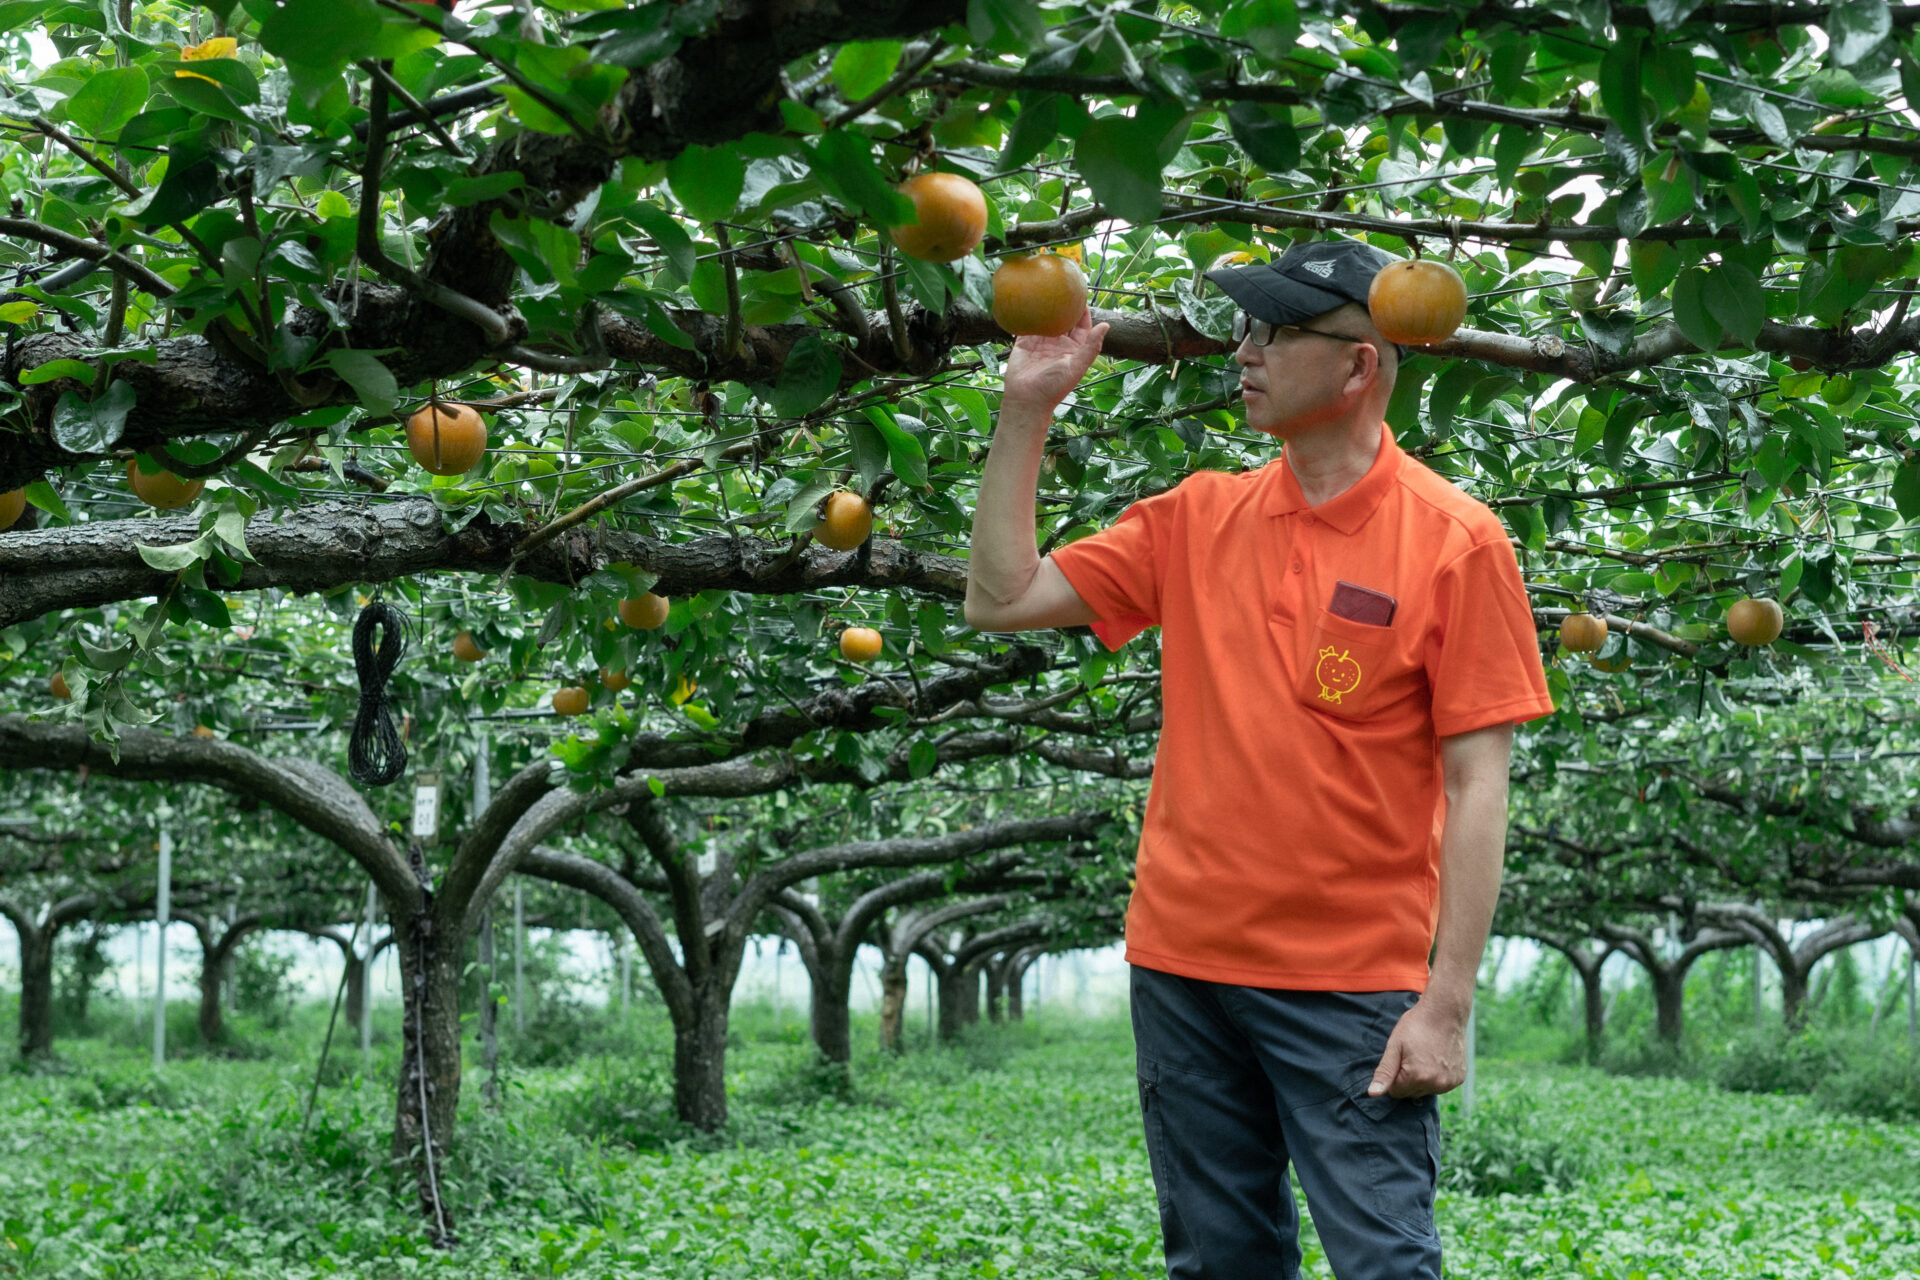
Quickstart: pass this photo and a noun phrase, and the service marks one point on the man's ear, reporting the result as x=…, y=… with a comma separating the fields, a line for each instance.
x=1365, y=367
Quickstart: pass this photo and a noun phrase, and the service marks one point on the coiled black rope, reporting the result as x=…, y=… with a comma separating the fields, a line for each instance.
x=375, y=753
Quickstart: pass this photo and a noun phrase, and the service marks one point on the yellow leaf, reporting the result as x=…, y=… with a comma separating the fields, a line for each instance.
x=217, y=47
x=682, y=690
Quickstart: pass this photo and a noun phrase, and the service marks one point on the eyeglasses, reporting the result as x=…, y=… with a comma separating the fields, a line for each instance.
x=1262, y=331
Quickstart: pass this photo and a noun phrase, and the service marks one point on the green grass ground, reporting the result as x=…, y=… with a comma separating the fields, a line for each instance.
x=1017, y=1154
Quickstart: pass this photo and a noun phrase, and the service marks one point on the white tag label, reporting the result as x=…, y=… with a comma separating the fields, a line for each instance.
x=706, y=862
x=426, y=812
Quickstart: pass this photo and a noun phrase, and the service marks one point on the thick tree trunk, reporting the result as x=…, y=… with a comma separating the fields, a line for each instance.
x=700, y=1062
x=893, y=1004
x=356, y=989
x=996, y=975
x=1668, y=987
x=972, y=978
x=1793, y=996
x=952, y=999
x=429, y=1089
x=832, y=1016
x=36, y=993
x=213, y=972
x=1596, y=1010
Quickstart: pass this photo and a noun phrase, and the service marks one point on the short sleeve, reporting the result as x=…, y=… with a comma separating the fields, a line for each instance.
x=1119, y=571
x=1483, y=653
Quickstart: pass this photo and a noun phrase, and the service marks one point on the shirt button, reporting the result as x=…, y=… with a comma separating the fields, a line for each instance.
x=1309, y=519
x=1296, y=566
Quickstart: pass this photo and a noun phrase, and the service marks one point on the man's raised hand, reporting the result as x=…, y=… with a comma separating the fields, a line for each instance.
x=1040, y=371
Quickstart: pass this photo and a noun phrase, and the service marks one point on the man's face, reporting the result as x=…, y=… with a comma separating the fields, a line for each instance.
x=1301, y=379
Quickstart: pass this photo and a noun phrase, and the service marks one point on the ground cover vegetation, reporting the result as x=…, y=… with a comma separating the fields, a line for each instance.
x=1013, y=1150
x=720, y=296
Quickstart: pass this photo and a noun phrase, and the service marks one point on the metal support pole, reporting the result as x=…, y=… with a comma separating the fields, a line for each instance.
x=366, y=987
x=162, y=909
x=930, y=1017
x=519, y=965
x=1913, y=1009
x=779, y=951
x=626, y=977
x=1759, y=1016
x=139, y=973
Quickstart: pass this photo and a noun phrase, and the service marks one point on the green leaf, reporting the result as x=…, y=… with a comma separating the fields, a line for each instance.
x=535, y=113
x=1669, y=14
x=108, y=99
x=207, y=99
x=1007, y=26
x=1732, y=296
x=707, y=181
x=810, y=374
x=1036, y=128
x=922, y=756
x=669, y=235
x=176, y=559
x=1654, y=265
x=1856, y=28
x=1266, y=134
x=190, y=185
x=909, y=459
x=88, y=427
x=869, y=451
x=803, y=509
x=488, y=186
x=18, y=312
x=648, y=311
x=370, y=379
x=1527, y=525
x=1620, y=92
x=42, y=495
x=1690, y=311
x=79, y=370
x=862, y=66
x=321, y=33
x=1122, y=165
x=1906, y=488
x=843, y=162
x=1270, y=26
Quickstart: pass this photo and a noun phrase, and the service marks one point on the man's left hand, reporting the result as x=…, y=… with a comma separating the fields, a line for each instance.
x=1427, y=1053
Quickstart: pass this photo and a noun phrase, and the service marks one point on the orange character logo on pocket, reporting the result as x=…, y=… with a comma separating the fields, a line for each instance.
x=1337, y=673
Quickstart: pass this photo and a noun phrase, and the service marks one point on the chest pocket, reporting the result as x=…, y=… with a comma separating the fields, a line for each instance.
x=1350, y=670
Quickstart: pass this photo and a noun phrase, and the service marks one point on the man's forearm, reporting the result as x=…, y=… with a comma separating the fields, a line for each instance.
x=1472, y=855
x=1004, y=556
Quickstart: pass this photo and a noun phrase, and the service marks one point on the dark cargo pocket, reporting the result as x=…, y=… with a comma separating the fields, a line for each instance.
x=1402, y=1152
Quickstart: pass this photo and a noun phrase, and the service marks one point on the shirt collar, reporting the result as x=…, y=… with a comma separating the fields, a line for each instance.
x=1347, y=512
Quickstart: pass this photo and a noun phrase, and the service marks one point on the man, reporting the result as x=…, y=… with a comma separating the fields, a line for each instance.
x=1346, y=646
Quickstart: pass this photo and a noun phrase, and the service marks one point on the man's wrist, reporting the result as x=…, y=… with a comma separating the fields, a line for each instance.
x=1449, y=999
x=1022, y=411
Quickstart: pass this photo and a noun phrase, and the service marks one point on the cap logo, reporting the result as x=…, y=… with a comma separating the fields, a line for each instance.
x=1322, y=269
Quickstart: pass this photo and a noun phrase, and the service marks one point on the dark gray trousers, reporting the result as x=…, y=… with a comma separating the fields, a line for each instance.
x=1238, y=1083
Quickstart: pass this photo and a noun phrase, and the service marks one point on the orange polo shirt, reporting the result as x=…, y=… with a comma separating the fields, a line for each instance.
x=1292, y=835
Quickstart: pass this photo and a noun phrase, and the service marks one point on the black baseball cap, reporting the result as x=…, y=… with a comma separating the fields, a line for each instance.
x=1307, y=280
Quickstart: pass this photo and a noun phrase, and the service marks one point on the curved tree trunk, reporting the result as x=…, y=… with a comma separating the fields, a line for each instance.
x=995, y=973
x=893, y=1003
